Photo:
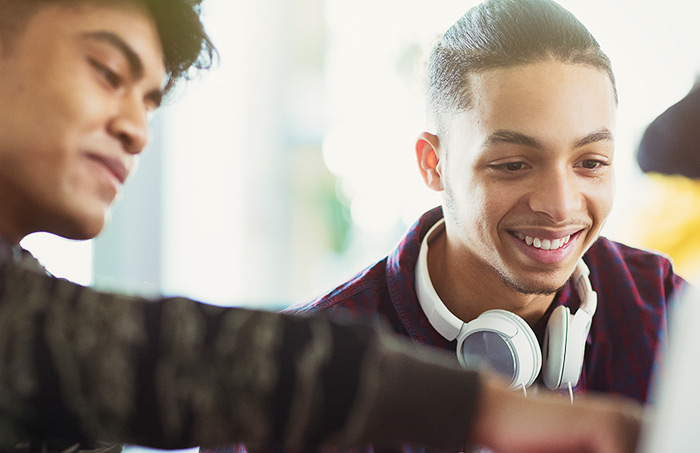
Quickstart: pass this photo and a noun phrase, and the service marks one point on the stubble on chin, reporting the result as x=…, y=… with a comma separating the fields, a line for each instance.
x=530, y=289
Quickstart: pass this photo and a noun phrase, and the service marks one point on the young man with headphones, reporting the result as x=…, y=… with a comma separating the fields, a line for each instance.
x=511, y=271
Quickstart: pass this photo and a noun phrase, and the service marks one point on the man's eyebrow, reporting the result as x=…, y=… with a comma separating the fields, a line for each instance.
x=135, y=63
x=511, y=137
x=517, y=138
x=133, y=59
x=598, y=136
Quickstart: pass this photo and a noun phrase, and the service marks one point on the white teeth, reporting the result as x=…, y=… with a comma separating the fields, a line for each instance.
x=544, y=244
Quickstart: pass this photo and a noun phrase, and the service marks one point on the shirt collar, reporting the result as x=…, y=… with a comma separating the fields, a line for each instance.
x=401, y=277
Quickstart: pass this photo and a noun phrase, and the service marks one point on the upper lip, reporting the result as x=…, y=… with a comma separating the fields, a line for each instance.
x=115, y=165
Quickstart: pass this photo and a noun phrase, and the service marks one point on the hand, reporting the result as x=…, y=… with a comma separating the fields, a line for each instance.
x=509, y=422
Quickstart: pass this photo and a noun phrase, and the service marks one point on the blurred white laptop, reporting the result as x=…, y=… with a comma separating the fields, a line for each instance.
x=673, y=424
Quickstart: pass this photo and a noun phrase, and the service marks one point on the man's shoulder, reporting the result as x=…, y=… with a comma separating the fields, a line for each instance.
x=617, y=253
x=364, y=291
x=618, y=264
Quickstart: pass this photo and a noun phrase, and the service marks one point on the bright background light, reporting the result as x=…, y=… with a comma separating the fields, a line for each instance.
x=291, y=166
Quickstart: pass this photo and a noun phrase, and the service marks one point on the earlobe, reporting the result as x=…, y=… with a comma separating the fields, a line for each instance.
x=427, y=154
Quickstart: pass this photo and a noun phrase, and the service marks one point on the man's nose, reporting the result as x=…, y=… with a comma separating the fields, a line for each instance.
x=130, y=125
x=556, y=195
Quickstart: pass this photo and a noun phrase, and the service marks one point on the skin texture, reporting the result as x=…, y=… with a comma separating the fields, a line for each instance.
x=76, y=89
x=531, y=157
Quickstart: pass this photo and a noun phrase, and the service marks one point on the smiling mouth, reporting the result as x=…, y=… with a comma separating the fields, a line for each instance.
x=545, y=244
x=114, y=166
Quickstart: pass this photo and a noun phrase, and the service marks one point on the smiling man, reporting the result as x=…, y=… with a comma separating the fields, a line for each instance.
x=511, y=270
x=91, y=78
x=527, y=181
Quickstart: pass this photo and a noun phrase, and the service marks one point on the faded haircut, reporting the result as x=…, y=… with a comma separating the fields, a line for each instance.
x=501, y=34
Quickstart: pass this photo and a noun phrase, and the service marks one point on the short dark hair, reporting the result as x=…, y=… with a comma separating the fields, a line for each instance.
x=501, y=34
x=186, y=45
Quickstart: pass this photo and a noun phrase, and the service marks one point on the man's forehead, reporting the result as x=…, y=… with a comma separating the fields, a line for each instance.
x=553, y=115
x=126, y=26
x=504, y=79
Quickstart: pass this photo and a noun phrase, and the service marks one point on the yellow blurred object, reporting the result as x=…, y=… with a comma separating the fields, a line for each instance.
x=668, y=220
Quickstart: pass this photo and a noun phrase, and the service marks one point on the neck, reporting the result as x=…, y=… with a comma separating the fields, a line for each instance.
x=7, y=249
x=7, y=238
x=12, y=212
x=468, y=288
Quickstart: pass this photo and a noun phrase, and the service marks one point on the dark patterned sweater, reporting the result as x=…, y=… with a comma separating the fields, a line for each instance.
x=80, y=367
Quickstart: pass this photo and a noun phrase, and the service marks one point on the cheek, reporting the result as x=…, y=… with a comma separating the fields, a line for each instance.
x=491, y=200
x=489, y=213
x=69, y=99
x=71, y=121
x=475, y=207
x=602, y=198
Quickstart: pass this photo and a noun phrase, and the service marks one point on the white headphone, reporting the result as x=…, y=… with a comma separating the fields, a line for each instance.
x=505, y=342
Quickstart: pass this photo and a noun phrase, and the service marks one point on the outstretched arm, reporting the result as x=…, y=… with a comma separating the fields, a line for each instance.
x=78, y=365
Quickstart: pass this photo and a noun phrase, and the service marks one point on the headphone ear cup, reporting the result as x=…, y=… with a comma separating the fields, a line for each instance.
x=556, y=339
x=503, y=342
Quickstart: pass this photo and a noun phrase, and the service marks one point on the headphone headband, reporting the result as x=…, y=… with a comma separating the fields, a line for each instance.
x=588, y=297
x=440, y=317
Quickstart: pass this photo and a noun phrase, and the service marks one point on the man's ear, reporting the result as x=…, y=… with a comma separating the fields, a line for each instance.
x=427, y=153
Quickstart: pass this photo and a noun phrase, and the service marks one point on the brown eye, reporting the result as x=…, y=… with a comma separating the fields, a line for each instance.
x=593, y=164
x=513, y=166
x=510, y=169
x=111, y=77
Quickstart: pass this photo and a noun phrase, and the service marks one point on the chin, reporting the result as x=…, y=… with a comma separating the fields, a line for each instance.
x=79, y=235
x=550, y=284
x=83, y=228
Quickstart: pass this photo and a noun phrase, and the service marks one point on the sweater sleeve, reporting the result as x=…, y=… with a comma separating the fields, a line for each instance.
x=79, y=364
